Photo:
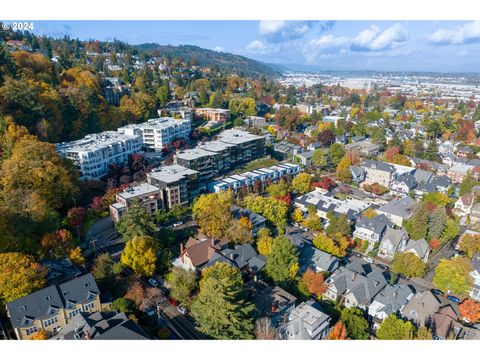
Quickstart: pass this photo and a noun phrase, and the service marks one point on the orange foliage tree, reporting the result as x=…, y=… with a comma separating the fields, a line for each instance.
x=313, y=282
x=338, y=332
x=470, y=310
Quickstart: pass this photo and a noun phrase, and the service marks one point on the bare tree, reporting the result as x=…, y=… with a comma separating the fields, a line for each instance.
x=265, y=331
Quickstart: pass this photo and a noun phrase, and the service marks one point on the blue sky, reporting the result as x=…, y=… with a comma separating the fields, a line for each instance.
x=450, y=46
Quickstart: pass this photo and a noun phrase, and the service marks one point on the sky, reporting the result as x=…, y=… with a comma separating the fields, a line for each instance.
x=443, y=46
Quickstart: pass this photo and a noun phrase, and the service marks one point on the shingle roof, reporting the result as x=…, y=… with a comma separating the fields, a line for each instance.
x=408, y=180
x=401, y=207
x=419, y=246
x=379, y=165
x=372, y=224
x=393, y=298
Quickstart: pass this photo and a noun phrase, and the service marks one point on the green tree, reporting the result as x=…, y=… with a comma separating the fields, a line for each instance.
x=182, y=284
x=282, y=262
x=318, y=158
x=451, y=230
x=20, y=275
x=244, y=105
x=136, y=222
x=409, y=265
x=357, y=325
x=163, y=95
x=302, y=183
x=419, y=222
x=338, y=224
x=140, y=254
x=313, y=222
x=335, y=153
x=123, y=305
x=277, y=190
x=454, y=275
x=469, y=244
x=273, y=210
x=212, y=212
x=220, y=309
x=343, y=173
x=431, y=152
x=467, y=184
x=437, y=223
x=103, y=271
x=394, y=328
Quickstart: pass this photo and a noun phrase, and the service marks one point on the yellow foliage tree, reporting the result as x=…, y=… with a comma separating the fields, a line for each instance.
x=212, y=212
x=141, y=255
x=76, y=256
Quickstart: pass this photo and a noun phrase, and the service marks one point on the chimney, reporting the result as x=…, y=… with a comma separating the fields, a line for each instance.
x=394, y=294
x=182, y=249
x=232, y=256
x=354, y=275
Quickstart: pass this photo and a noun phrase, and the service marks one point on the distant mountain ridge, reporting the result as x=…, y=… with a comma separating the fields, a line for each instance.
x=237, y=64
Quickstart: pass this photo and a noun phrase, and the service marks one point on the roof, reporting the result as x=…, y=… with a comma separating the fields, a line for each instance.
x=421, y=307
x=101, y=326
x=392, y=298
x=171, y=173
x=373, y=224
x=60, y=270
x=441, y=181
x=201, y=250
x=420, y=247
x=48, y=301
x=445, y=321
x=94, y=142
x=313, y=257
x=400, y=207
x=269, y=300
x=245, y=255
x=379, y=165
x=305, y=321
x=238, y=212
x=407, y=179
x=394, y=236
x=138, y=190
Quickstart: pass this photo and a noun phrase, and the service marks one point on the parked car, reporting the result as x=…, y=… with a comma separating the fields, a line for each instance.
x=437, y=292
x=182, y=310
x=368, y=259
x=165, y=291
x=150, y=311
x=153, y=282
x=454, y=299
x=178, y=224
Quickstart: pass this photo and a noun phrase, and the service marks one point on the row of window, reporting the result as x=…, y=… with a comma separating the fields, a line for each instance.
x=51, y=321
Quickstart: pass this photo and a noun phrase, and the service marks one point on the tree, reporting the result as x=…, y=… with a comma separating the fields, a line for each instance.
x=20, y=275
x=141, y=255
x=466, y=184
x=370, y=213
x=356, y=324
x=450, y=230
x=244, y=105
x=264, y=242
x=424, y=333
x=336, y=245
x=454, y=275
x=123, y=305
x=313, y=282
x=436, y=198
x=282, y=262
x=302, y=183
x=272, y=209
x=297, y=216
x=338, y=332
x=470, y=244
x=136, y=293
x=437, y=223
x=220, y=309
x=40, y=335
x=431, y=152
x=470, y=310
x=393, y=328
x=318, y=158
x=264, y=330
x=76, y=256
x=408, y=264
x=240, y=231
x=182, y=284
x=212, y=213
x=313, y=222
x=163, y=95
x=277, y=190
x=419, y=222
x=136, y=222
x=103, y=271
x=335, y=153
x=343, y=173
x=58, y=244
x=338, y=224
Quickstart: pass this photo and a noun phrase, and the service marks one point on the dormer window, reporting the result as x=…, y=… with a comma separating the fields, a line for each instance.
x=22, y=308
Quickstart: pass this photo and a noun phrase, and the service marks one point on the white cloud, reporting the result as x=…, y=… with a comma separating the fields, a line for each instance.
x=463, y=53
x=467, y=33
x=256, y=46
x=218, y=49
x=269, y=27
x=372, y=39
x=329, y=41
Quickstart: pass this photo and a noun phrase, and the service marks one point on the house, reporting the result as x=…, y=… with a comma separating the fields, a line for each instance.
x=358, y=174
x=458, y=171
x=101, y=326
x=463, y=206
x=197, y=252
x=305, y=158
x=371, y=229
x=365, y=147
x=270, y=301
x=393, y=241
x=318, y=260
x=52, y=308
x=389, y=301
x=398, y=210
x=475, y=214
x=306, y=322
x=421, y=307
x=403, y=184
x=378, y=172
x=286, y=150
x=245, y=258
x=357, y=284
x=422, y=176
x=475, y=275
x=314, y=146
x=58, y=271
x=256, y=220
x=419, y=248
x=441, y=183
x=445, y=324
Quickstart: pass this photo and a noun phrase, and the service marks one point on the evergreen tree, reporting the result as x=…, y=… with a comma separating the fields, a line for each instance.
x=419, y=222
x=136, y=222
x=437, y=223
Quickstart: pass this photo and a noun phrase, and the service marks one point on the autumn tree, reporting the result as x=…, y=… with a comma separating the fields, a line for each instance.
x=297, y=215
x=454, y=275
x=335, y=153
x=343, y=173
x=135, y=221
x=336, y=245
x=212, y=213
x=338, y=224
x=313, y=222
x=318, y=158
x=302, y=183
x=393, y=328
x=141, y=255
x=240, y=231
x=313, y=282
x=264, y=241
x=40, y=335
x=370, y=213
x=469, y=244
x=264, y=330
x=20, y=275
x=282, y=261
x=76, y=256
x=470, y=310
x=279, y=189
x=220, y=310
x=338, y=331
x=272, y=209
x=408, y=264
x=357, y=326
x=136, y=293
x=182, y=284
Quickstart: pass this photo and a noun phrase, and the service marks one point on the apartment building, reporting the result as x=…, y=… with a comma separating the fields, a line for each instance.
x=203, y=161
x=158, y=133
x=149, y=195
x=177, y=184
x=52, y=308
x=210, y=114
x=378, y=172
x=247, y=146
x=94, y=153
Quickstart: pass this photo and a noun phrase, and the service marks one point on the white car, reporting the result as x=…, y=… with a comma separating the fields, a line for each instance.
x=182, y=310
x=153, y=282
x=368, y=259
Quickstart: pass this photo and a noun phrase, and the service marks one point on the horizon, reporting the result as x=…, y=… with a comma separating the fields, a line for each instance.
x=393, y=46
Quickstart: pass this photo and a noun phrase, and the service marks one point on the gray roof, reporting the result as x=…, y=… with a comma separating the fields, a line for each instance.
x=49, y=300
x=441, y=181
x=401, y=207
x=373, y=224
x=419, y=246
x=476, y=262
x=394, y=297
x=394, y=236
x=407, y=179
x=245, y=255
x=60, y=270
x=422, y=176
x=421, y=307
x=357, y=171
x=101, y=326
x=313, y=257
x=379, y=165
x=305, y=321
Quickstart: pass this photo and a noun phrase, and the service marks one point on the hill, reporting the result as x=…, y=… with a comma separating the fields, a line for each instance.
x=227, y=62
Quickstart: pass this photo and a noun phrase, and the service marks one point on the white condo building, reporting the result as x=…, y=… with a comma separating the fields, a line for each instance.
x=160, y=132
x=92, y=154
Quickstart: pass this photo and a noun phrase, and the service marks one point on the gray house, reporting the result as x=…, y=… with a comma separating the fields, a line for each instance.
x=389, y=301
x=420, y=309
x=306, y=322
x=318, y=260
x=419, y=248
x=393, y=241
x=398, y=210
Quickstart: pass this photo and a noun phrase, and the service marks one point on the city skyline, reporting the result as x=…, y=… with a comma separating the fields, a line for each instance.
x=437, y=46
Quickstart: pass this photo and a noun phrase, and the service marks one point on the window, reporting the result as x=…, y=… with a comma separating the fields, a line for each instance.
x=73, y=313
x=51, y=321
x=31, y=330
x=89, y=306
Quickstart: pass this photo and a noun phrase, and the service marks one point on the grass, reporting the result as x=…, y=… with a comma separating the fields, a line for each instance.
x=257, y=164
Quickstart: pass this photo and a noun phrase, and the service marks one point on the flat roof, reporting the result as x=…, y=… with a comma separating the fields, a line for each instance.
x=237, y=136
x=158, y=123
x=192, y=154
x=94, y=142
x=171, y=173
x=137, y=190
